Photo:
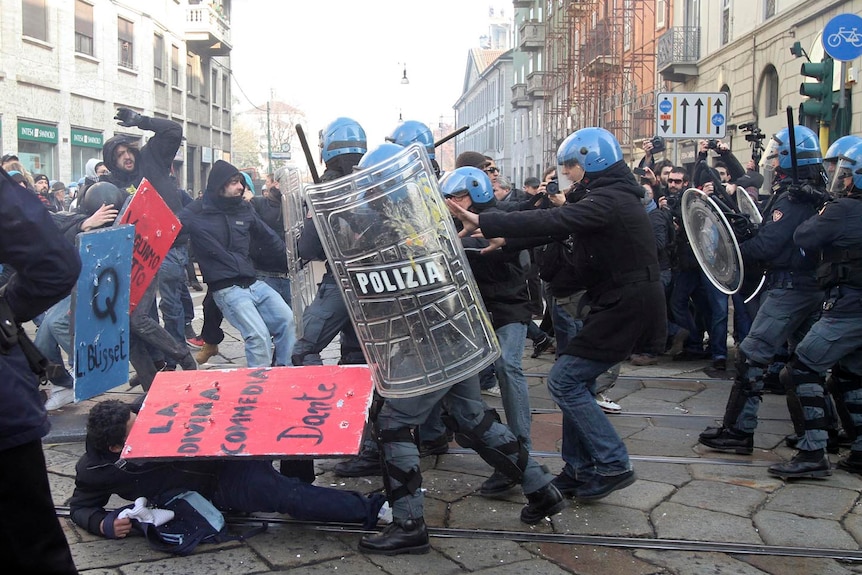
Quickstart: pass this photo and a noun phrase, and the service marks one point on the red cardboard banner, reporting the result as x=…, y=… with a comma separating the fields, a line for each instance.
x=156, y=228
x=253, y=412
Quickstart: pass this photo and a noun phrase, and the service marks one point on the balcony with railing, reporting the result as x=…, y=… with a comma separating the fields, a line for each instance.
x=677, y=53
x=536, y=84
x=520, y=99
x=599, y=52
x=207, y=30
x=532, y=35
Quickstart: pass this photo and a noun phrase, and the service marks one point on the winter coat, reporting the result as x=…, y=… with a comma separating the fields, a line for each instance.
x=616, y=260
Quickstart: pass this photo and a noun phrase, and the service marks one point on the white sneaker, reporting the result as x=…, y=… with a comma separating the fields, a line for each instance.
x=60, y=397
x=384, y=516
x=607, y=405
x=495, y=391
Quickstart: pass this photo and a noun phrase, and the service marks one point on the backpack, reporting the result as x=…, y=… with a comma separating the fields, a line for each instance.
x=195, y=521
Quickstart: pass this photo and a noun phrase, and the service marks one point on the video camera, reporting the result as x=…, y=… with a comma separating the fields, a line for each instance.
x=754, y=136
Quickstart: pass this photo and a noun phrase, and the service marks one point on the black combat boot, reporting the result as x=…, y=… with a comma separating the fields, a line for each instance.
x=805, y=464
x=728, y=441
x=852, y=463
x=400, y=536
x=365, y=464
x=543, y=503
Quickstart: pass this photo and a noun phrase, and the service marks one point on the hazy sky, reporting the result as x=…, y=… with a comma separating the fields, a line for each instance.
x=334, y=58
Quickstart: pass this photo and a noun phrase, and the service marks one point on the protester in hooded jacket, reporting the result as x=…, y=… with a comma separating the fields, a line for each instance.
x=222, y=228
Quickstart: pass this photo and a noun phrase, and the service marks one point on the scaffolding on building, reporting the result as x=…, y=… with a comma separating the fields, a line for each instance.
x=600, y=71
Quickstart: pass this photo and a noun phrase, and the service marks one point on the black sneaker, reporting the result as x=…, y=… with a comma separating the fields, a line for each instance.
x=541, y=346
x=600, y=486
x=851, y=463
x=407, y=536
x=543, y=503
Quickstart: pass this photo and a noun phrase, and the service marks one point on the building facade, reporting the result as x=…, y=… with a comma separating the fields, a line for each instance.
x=67, y=65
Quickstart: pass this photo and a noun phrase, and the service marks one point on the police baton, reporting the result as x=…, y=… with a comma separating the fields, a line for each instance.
x=791, y=134
x=304, y=142
x=445, y=139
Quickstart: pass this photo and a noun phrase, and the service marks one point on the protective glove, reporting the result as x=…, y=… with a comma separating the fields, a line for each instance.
x=807, y=193
x=128, y=118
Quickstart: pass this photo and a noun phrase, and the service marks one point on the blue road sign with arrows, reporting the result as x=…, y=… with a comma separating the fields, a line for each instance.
x=691, y=115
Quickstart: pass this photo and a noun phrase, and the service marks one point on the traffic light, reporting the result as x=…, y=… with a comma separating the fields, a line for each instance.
x=819, y=105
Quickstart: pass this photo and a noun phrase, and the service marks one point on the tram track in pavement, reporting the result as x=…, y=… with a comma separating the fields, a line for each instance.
x=562, y=538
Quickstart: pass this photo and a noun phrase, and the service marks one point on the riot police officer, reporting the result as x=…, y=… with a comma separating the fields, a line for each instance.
x=342, y=144
x=615, y=256
x=792, y=297
x=835, y=339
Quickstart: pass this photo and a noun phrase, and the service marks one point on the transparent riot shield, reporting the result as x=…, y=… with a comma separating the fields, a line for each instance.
x=302, y=288
x=392, y=245
x=712, y=240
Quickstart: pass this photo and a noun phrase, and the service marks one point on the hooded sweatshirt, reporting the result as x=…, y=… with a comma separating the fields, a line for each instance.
x=222, y=231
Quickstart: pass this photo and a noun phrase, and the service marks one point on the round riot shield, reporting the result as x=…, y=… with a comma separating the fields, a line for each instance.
x=392, y=246
x=747, y=206
x=712, y=241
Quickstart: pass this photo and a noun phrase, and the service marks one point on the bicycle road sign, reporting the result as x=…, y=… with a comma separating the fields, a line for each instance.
x=842, y=37
x=691, y=115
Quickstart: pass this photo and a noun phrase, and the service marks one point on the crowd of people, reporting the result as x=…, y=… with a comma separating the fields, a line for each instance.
x=591, y=262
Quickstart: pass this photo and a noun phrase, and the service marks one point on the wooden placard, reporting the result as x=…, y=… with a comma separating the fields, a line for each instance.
x=317, y=411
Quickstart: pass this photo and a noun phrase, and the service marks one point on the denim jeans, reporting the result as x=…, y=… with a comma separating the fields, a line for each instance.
x=279, y=284
x=464, y=405
x=171, y=280
x=718, y=310
x=513, y=384
x=55, y=333
x=565, y=327
x=685, y=284
x=591, y=445
x=534, y=332
x=263, y=319
x=255, y=486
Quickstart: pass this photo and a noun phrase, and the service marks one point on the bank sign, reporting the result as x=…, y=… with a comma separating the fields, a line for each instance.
x=37, y=132
x=87, y=139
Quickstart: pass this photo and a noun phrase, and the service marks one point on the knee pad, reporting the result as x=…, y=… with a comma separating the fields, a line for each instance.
x=510, y=459
x=410, y=479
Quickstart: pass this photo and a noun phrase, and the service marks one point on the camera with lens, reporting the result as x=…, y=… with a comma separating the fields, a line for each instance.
x=754, y=136
x=712, y=144
x=657, y=144
x=553, y=187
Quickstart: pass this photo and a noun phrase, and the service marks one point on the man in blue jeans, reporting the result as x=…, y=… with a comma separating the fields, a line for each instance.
x=222, y=228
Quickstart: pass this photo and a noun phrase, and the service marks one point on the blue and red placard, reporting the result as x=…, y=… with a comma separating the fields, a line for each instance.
x=100, y=311
x=156, y=228
x=315, y=411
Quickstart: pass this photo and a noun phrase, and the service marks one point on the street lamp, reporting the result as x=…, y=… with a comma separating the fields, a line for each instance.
x=404, y=79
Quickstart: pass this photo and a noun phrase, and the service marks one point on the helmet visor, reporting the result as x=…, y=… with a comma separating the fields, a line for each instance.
x=842, y=178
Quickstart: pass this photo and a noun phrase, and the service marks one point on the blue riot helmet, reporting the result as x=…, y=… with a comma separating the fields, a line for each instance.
x=342, y=136
x=593, y=149
x=468, y=180
x=413, y=131
x=848, y=172
x=379, y=154
x=776, y=159
x=838, y=148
